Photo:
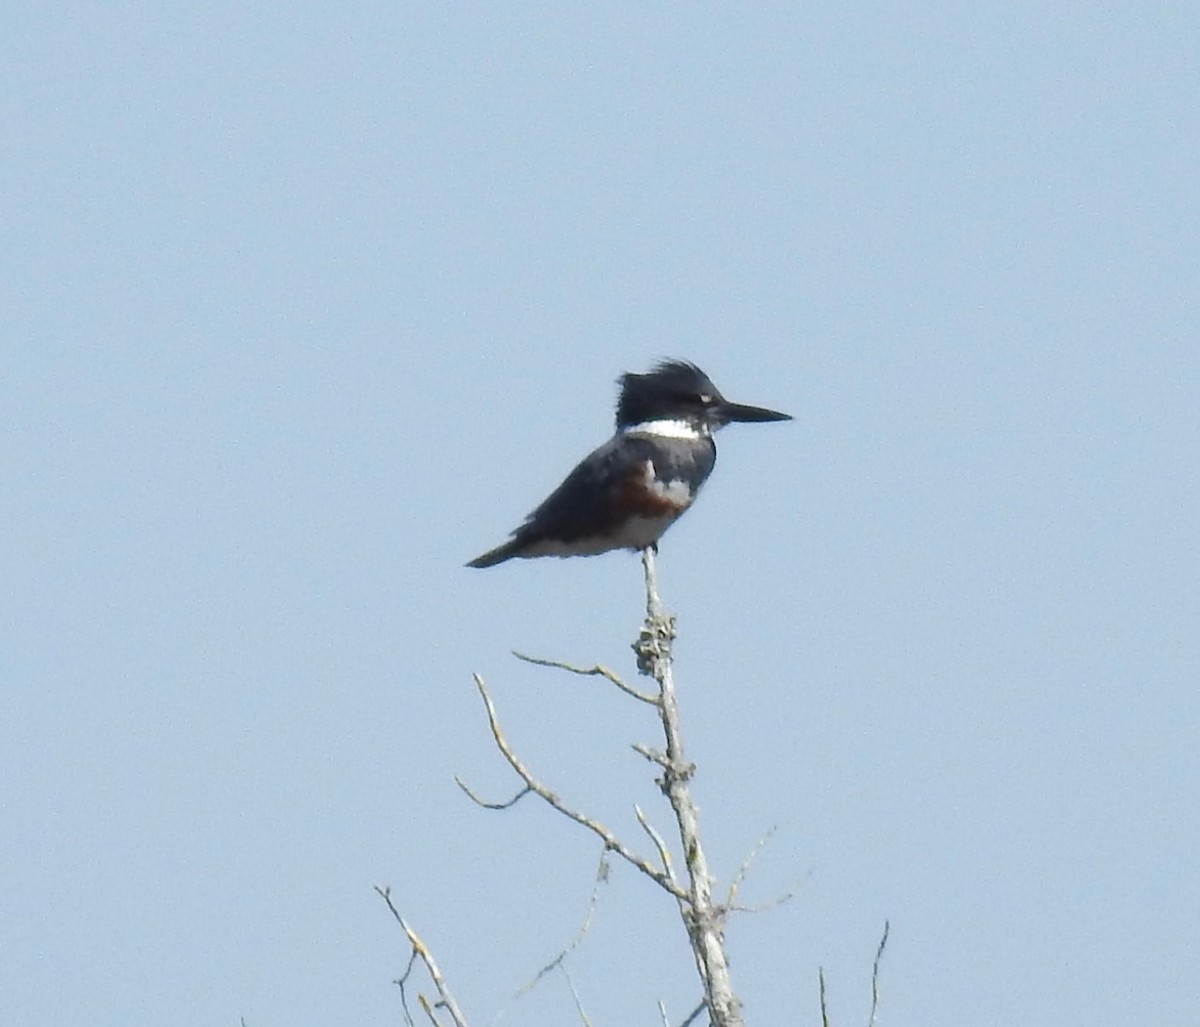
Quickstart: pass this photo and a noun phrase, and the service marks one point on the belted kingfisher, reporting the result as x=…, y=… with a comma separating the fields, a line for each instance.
x=634, y=487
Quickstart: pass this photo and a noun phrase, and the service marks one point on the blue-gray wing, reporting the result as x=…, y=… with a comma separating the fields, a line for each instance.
x=630, y=475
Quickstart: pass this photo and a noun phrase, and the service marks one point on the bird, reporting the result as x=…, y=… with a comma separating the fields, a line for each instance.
x=629, y=491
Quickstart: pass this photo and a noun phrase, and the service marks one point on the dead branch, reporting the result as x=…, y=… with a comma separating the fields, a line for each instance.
x=874, y=982
x=650, y=753
x=664, y=853
x=740, y=877
x=421, y=951
x=491, y=805
x=573, y=944
x=583, y=1017
x=534, y=785
x=731, y=903
x=703, y=918
x=875, y=973
x=598, y=670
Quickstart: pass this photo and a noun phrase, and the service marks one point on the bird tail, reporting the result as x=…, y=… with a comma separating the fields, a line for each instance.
x=497, y=555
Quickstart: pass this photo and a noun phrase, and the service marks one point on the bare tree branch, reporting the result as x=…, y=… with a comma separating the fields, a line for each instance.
x=583, y=1017
x=573, y=944
x=491, y=805
x=874, y=982
x=425, y=1005
x=731, y=903
x=740, y=877
x=534, y=785
x=664, y=853
x=875, y=973
x=703, y=918
x=650, y=753
x=421, y=951
x=598, y=670
x=763, y=907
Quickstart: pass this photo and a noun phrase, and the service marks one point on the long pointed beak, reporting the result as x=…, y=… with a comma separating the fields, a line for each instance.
x=741, y=412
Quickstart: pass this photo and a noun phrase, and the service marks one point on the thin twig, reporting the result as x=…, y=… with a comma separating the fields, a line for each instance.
x=425, y=1005
x=664, y=853
x=824, y=1007
x=421, y=951
x=598, y=670
x=740, y=877
x=402, y=982
x=650, y=753
x=491, y=805
x=765, y=906
x=695, y=1013
x=875, y=973
x=573, y=944
x=583, y=1017
x=731, y=903
x=610, y=840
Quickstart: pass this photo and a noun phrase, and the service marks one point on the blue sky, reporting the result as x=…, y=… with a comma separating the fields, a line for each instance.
x=306, y=305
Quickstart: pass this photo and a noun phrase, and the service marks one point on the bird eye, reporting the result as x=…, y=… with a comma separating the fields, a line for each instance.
x=705, y=398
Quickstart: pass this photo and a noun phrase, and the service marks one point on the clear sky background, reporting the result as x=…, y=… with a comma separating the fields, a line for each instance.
x=306, y=304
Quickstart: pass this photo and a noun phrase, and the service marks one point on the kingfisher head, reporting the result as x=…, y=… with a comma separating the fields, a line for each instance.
x=678, y=398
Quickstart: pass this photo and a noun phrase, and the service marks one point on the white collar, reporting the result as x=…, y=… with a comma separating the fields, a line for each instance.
x=667, y=428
